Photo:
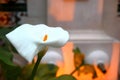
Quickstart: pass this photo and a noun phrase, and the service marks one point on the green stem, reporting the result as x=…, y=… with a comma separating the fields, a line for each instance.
x=40, y=55
x=77, y=68
x=35, y=68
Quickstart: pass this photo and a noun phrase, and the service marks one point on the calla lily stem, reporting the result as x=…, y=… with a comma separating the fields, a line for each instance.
x=40, y=55
x=77, y=68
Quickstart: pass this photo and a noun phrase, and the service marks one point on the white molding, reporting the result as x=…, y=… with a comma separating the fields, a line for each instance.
x=86, y=36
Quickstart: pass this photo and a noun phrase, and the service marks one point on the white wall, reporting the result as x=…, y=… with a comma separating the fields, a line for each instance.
x=87, y=15
x=111, y=22
x=36, y=12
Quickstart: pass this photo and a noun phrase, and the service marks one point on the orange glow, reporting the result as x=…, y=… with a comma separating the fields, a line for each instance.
x=4, y=18
x=100, y=6
x=62, y=10
x=45, y=37
x=114, y=64
x=67, y=66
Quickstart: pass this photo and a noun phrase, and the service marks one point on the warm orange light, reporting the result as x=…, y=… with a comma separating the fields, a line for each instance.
x=62, y=10
x=100, y=6
x=67, y=66
x=45, y=37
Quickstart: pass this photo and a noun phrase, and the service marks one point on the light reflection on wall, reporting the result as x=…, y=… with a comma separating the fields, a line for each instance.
x=62, y=10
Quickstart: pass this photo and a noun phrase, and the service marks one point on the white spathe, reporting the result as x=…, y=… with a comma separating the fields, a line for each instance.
x=30, y=39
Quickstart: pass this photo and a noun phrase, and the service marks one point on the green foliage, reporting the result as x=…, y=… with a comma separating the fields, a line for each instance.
x=7, y=45
x=6, y=57
x=44, y=72
x=76, y=50
x=64, y=77
x=4, y=31
x=10, y=70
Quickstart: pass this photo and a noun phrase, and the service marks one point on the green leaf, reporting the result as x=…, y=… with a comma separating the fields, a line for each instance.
x=44, y=72
x=76, y=50
x=11, y=72
x=3, y=32
x=64, y=77
x=6, y=57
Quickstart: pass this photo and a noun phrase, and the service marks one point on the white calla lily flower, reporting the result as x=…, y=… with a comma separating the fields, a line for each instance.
x=30, y=39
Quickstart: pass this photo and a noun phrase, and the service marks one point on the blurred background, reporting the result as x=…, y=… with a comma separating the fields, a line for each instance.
x=94, y=25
